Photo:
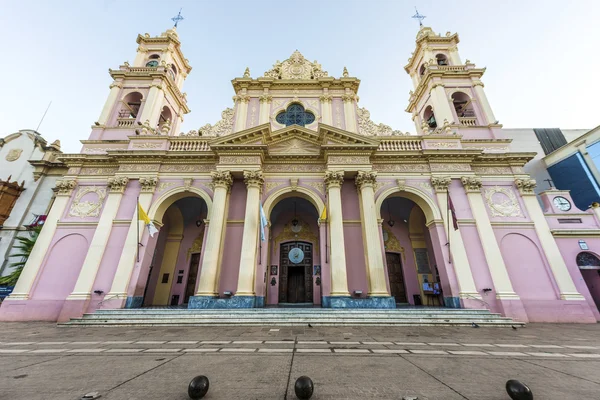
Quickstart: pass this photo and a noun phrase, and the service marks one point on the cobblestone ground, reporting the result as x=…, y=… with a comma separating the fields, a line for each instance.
x=43, y=361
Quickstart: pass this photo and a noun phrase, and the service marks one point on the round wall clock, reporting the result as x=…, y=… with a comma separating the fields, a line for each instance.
x=296, y=255
x=561, y=203
x=152, y=64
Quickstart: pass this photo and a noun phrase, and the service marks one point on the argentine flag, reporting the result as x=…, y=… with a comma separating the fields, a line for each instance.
x=263, y=223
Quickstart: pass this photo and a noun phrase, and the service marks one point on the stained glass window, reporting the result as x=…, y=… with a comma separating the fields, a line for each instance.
x=585, y=259
x=295, y=115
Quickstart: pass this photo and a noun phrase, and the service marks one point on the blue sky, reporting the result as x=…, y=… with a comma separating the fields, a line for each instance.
x=541, y=56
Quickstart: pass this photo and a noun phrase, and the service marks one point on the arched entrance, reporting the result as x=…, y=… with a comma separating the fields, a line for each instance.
x=294, y=269
x=172, y=259
x=589, y=266
x=414, y=256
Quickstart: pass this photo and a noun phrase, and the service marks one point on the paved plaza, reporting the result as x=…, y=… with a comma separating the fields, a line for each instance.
x=44, y=361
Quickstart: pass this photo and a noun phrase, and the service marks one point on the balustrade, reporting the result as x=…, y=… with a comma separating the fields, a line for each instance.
x=468, y=121
x=400, y=145
x=188, y=145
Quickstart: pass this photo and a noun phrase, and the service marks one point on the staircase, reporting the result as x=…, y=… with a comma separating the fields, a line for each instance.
x=413, y=316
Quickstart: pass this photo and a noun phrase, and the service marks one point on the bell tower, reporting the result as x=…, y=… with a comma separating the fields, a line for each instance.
x=145, y=96
x=447, y=91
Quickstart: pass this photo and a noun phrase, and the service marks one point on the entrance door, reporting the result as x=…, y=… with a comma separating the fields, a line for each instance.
x=295, y=278
x=190, y=286
x=396, y=276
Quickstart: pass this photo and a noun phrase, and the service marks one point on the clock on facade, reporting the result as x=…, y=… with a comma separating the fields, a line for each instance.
x=561, y=203
x=152, y=64
x=296, y=255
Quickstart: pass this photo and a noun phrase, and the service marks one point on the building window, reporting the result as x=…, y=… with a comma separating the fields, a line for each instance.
x=295, y=115
x=585, y=259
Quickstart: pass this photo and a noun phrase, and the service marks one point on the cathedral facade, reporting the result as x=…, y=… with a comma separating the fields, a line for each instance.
x=296, y=197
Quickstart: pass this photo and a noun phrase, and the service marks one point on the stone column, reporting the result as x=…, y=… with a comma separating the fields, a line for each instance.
x=242, y=101
x=127, y=260
x=207, y=286
x=441, y=105
x=491, y=250
x=337, y=262
x=377, y=285
x=22, y=289
x=254, y=181
x=115, y=89
x=265, y=108
x=349, y=112
x=464, y=276
x=326, y=110
x=149, y=105
x=91, y=264
x=565, y=283
x=485, y=105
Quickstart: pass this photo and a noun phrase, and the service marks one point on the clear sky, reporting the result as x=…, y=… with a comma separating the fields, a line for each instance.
x=542, y=56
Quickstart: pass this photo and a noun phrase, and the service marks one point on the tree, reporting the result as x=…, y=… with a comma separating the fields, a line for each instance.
x=24, y=248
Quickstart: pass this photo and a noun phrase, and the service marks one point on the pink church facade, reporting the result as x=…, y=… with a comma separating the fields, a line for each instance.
x=356, y=215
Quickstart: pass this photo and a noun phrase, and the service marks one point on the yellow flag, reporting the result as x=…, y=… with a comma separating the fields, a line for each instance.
x=142, y=216
x=324, y=214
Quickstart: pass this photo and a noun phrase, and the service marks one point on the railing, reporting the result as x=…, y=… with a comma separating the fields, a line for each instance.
x=455, y=68
x=189, y=145
x=142, y=69
x=400, y=145
x=125, y=122
x=468, y=121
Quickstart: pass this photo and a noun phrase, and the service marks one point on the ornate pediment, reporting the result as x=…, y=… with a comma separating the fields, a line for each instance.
x=221, y=128
x=295, y=146
x=296, y=67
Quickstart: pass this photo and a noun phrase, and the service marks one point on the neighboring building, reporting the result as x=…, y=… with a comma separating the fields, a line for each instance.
x=28, y=173
x=359, y=215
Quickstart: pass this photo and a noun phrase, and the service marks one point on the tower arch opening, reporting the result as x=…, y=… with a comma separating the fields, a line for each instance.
x=463, y=106
x=429, y=117
x=441, y=59
x=131, y=105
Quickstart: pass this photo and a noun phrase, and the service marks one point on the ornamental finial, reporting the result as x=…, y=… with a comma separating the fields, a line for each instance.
x=345, y=73
x=419, y=17
x=177, y=18
x=247, y=73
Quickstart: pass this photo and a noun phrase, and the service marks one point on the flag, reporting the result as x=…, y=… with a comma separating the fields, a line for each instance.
x=263, y=223
x=142, y=216
x=453, y=211
x=324, y=214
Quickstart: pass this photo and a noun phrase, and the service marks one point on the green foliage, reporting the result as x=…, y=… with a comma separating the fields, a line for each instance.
x=24, y=246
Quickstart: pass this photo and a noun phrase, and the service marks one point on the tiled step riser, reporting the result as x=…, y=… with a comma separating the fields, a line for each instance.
x=306, y=318
x=298, y=320
x=167, y=324
x=288, y=310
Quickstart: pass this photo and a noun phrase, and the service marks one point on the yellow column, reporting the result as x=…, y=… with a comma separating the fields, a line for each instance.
x=115, y=88
x=34, y=262
x=460, y=261
x=326, y=110
x=118, y=289
x=565, y=283
x=365, y=181
x=207, y=286
x=441, y=104
x=493, y=255
x=349, y=111
x=485, y=105
x=242, y=101
x=149, y=106
x=91, y=264
x=339, y=278
x=254, y=181
x=265, y=108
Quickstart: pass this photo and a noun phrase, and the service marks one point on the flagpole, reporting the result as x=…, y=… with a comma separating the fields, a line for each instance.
x=138, y=228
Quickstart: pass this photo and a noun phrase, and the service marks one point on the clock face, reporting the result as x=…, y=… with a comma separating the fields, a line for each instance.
x=561, y=203
x=152, y=64
x=296, y=255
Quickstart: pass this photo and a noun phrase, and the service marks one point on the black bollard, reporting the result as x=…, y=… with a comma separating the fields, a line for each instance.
x=518, y=390
x=304, y=387
x=198, y=387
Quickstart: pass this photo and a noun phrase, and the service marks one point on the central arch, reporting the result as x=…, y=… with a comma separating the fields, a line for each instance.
x=286, y=192
x=430, y=209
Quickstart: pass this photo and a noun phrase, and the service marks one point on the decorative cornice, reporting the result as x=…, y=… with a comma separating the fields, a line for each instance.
x=254, y=178
x=221, y=179
x=525, y=186
x=440, y=184
x=365, y=179
x=472, y=184
x=117, y=184
x=148, y=184
x=65, y=187
x=334, y=179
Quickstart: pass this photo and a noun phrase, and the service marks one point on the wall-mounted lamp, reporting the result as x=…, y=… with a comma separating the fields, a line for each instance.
x=273, y=281
x=390, y=221
x=318, y=280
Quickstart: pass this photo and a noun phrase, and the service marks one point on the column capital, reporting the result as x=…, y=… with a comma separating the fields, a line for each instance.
x=242, y=98
x=254, y=178
x=265, y=98
x=148, y=184
x=348, y=98
x=472, y=184
x=326, y=98
x=440, y=183
x=526, y=186
x=365, y=179
x=334, y=178
x=221, y=179
x=65, y=187
x=117, y=184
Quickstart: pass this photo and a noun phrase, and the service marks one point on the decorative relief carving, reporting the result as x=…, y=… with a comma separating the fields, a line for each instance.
x=450, y=167
x=379, y=185
x=525, y=186
x=425, y=186
x=98, y=150
x=401, y=167
x=370, y=128
x=187, y=184
x=186, y=168
x=65, y=187
x=296, y=67
x=440, y=184
x=304, y=233
x=338, y=116
x=401, y=184
x=272, y=185
x=295, y=146
x=221, y=178
x=221, y=128
x=294, y=183
x=165, y=185
x=74, y=171
x=254, y=178
x=97, y=171
x=366, y=179
x=348, y=160
x=147, y=145
x=492, y=170
x=239, y=160
x=197, y=245
x=502, y=202
x=471, y=183
x=443, y=145
x=148, y=184
x=139, y=167
x=294, y=168
x=14, y=155
x=334, y=178
x=391, y=243
x=318, y=186
x=87, y=208
x=117, y=184
x=518, y=170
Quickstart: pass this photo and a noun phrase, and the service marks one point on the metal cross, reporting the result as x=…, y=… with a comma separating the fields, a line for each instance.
x=550, y=183
x=177, y=18
x=419, y=17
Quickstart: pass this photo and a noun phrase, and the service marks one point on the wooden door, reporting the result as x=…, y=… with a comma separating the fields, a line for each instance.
x=396, y=276
x=295, y=280
x=190, y=286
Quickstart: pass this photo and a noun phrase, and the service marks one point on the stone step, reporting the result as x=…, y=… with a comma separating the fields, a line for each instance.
x=290, y=311
x=282, y=317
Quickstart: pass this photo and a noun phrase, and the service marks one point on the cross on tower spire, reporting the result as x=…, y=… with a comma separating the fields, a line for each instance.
x=177, y=18
x=419, y=17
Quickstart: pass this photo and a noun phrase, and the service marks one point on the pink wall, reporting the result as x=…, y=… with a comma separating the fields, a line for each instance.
x=356, y=266
x=230, y=266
